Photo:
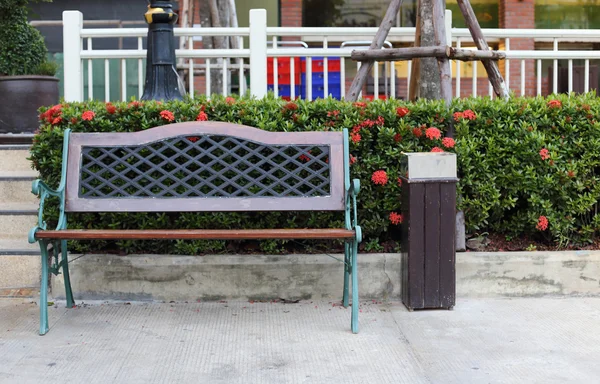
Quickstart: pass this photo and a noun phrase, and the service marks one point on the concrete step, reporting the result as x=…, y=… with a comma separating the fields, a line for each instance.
x=14, y=158
x=16, y=227
x=20, y=271
x=15, y=187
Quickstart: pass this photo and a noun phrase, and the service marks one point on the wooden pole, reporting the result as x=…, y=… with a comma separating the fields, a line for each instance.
x=490, y=66
x=399, y=54
x=415, y=72
x=470, y=55
x=439, y=29
x=365, y=69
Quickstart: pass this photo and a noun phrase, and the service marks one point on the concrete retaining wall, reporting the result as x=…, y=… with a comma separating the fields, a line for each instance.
x=156, y=277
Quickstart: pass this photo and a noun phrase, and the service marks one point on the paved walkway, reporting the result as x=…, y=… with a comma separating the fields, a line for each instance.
x=537, y=340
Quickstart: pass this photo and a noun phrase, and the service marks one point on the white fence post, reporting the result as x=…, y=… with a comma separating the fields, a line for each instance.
x=258, y=52
x=73, y=67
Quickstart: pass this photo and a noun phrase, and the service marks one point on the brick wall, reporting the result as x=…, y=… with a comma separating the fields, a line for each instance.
x=519, y=14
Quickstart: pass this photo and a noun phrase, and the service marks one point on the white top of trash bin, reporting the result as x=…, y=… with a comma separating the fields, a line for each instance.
x=428, y=165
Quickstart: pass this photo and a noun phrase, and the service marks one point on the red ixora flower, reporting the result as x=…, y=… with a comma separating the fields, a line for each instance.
x=167, y=115
x=290, y=106
x=402, y=111
x=544, y=154
x=418, y=132
x=399, y=182
x=554, y=104
x=352, y=159
x=542, y=223
x=433, y=133
x=360, y=104
x=229, y=100
x=397, y=137
x=134, y=104
x=571, y=174
x=448, y=142
x=110, y=109
x=396, y=218
x=355, y=137
x=469, y=115
x=333, y=113
x=57, y=120
x=379, y=177
x=458, y=116
x=437, y=149
x=88, y=115
x=202, y=116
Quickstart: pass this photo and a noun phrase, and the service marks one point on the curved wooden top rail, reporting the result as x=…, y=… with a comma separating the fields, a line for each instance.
x=204, y=128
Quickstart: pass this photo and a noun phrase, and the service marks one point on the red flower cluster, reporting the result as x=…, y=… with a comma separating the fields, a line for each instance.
x=397, y=137
x=402, y=111
x=544, y=154
x=467, y=114
x=418, y=132
x=433, y=133
x=571, y=174
x=554, y=104
x=110, y=109
x=355, y=137
x=229, y=100
x=396, y=218
x=448, y=142
x=167, y=115
x=379, y=177
x=202, y=116
x=542, y=224
x=88, y=115
x=333, y=113
x=437, y=149
x=135, y=104
x=399, y=182
x=290, y=106
x=352, y=159
x=52, y=115
x=360, y=104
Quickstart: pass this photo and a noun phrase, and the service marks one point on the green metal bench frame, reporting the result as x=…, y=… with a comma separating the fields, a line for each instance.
x=72, y=189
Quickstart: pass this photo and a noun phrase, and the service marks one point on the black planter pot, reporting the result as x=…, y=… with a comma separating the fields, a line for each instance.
x=21, y=97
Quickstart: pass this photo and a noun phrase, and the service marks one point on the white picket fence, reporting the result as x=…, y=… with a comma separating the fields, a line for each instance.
x=265, y=42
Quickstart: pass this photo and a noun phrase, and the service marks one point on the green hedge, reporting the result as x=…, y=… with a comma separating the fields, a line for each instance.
x=528, y=166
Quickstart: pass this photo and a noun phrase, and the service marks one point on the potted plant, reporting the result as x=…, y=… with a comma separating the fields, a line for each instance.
x=27, y=79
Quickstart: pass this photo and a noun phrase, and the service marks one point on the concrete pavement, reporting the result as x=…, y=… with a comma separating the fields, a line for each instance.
x=521, y=340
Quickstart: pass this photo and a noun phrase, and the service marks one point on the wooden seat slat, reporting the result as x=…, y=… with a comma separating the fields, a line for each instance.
x=195, y=234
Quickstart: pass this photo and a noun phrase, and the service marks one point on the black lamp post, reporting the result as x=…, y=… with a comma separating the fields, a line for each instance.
x=162, y=80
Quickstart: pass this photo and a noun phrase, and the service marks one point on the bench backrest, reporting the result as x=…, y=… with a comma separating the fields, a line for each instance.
x=206, y=166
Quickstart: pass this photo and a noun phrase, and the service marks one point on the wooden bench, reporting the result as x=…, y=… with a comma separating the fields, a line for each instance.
x=200, y=167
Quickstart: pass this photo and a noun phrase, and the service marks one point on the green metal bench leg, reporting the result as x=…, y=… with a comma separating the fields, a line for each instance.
x=347, y=262
x=355, y=302
x=44, y=289
x=65, y=265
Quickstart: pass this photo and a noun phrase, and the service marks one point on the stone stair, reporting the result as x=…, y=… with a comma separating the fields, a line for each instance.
x=19, y=260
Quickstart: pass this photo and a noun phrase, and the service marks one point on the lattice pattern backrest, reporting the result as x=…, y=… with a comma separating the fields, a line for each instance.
x=205, y=166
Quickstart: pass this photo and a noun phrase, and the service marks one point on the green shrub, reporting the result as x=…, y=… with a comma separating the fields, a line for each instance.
x=22, y=48
x=508, y=181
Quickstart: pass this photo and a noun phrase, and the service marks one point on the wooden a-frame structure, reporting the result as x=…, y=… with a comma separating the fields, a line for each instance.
x=441, y=51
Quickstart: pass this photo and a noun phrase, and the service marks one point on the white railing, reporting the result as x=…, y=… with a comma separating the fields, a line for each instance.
x=266, y=42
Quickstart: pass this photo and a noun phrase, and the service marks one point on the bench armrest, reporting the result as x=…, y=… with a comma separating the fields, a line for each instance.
x=42, y=190
x=352, y=220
